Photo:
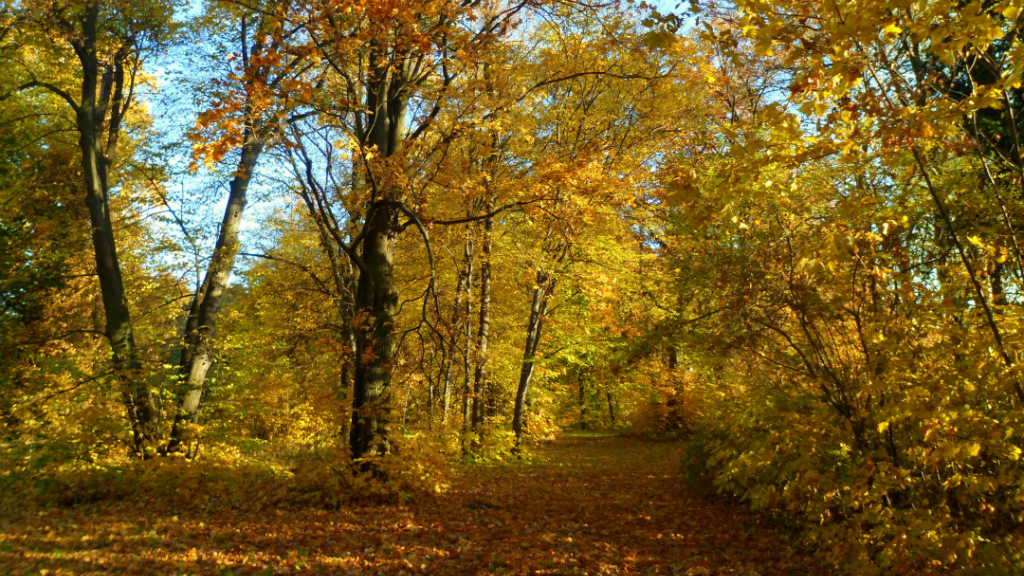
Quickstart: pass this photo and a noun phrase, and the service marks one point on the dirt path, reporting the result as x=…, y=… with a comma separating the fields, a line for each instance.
x=589, y=506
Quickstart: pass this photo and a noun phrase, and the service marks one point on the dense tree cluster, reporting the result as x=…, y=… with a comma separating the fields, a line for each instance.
x=788, y=229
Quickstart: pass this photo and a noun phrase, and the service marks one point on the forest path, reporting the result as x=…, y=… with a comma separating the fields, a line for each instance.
x=585, y=505
x=607, y=505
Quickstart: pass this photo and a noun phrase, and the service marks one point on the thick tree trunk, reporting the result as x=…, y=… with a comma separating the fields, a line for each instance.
x=376, y=303
x=201, y=328
x=538, y=309
x=103, y=94
x=483, y=331
x=387, y=101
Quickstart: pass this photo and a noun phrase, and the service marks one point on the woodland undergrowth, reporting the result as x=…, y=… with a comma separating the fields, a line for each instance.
x=226, y=477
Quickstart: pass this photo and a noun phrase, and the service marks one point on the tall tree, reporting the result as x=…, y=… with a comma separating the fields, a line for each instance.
x=108, y=41
x=388, y=61
x=244, y=118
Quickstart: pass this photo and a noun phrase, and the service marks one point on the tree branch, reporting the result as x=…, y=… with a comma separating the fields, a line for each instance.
x=46, y=86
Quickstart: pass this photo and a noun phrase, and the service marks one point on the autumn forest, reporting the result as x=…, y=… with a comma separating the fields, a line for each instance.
x=511, y=287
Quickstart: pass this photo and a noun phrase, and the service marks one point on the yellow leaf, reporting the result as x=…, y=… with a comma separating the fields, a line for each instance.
x=659, y=39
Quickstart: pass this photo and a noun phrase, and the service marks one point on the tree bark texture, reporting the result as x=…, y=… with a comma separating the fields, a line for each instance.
x=201, y=328
x=584, y=425
x=457, y=327
x=483, y=330
x=611, y=408
x=376, y=304
x=467, y=325
x=446, y=388
x=542, y=292
x=101, y=109
x=387, y=101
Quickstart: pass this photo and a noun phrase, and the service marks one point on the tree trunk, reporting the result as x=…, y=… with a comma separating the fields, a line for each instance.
x=345, y=290
x=467, y=373
x=201, y=328
x=611, y=408
x=376, y=303
x=483, y=331
x=387, y=101
x=674, y=406
x=461, y=296
x=541, y=295
x=431, y=390
x=342, y=273
x=446, y=391
x=584, y=426
x=345, y=286
x=100, y=95
x=996, y=283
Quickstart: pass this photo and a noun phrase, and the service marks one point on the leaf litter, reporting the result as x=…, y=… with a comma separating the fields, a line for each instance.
x=582, y=505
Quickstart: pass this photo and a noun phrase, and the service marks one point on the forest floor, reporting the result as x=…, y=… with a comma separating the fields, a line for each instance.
x=583, y=505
